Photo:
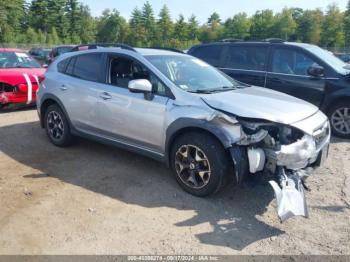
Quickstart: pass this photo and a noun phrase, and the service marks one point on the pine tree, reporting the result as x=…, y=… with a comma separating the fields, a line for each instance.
x=347, y=24
x=137, y=31
x=237, y=27
x=165, y=27
x=39, y=15
x=149, y=24
x=193, y=28
x=181, y=32
x=332, y=35
x=262, y=25
x=11, y=19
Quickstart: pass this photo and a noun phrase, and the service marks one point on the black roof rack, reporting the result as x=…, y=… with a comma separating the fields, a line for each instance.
x=274, y=40
x=231, y=40
x=96, y=46
x=167, y=48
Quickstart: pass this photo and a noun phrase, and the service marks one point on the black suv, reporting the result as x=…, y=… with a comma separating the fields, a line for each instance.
x=302, y=70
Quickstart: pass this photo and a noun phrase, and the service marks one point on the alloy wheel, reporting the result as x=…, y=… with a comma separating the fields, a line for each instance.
x=55, y=125
x=341, y=120
x=192, y=166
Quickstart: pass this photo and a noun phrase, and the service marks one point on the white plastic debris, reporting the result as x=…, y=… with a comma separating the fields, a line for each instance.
x=290, y=198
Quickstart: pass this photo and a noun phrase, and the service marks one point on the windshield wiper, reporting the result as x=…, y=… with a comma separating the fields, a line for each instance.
x=214, y=90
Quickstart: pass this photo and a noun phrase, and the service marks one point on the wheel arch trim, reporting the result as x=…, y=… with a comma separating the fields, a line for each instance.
x=54, y=98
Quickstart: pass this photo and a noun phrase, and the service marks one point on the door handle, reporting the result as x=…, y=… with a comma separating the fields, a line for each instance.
x=63, y=88
x=105, y=96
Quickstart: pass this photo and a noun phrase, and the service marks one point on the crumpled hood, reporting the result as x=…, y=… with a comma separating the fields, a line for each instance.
x=14, y=76
x=261, y=103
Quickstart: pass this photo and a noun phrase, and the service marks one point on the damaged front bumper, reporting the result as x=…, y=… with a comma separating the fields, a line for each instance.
x=291, y=154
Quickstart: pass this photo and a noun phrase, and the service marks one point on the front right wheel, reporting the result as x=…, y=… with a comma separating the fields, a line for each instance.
x=339, y=116
x=200, y=163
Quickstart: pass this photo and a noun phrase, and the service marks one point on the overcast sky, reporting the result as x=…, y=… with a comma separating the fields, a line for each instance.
x=203, y=8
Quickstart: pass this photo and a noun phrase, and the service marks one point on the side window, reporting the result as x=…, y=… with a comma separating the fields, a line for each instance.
x=123, y=70
x=209, y=54
x=87, y=66
x=61, y=66
x=70, y=66
x=292, y=62
x=246, y=57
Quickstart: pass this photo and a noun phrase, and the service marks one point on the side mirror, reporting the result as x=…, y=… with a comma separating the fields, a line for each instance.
x=315, y=70
x=140, y=86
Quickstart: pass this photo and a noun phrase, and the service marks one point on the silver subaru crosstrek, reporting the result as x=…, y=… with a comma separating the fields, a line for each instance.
x=175, y=108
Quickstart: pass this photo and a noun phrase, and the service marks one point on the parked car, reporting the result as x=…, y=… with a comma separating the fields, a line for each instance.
x=42, y=55
x=20, y=75
x=301, y=70
x=344, y=57
x=175, y=108
x=59, y=50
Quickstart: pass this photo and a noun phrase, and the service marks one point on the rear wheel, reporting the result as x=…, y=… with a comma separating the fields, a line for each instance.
x=200, y=163
x=57, y=126
x=339, y=116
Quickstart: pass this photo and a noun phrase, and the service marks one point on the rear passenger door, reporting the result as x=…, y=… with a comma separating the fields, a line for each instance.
x=79, y=89
x=246, y=63
x=288, y=73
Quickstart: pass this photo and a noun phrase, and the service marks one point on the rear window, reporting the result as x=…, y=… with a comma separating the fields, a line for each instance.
x=246, y=57
x=210, y=54
x=87, y=67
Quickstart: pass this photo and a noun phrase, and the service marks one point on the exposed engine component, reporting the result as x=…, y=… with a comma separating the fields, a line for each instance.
x=256, y=157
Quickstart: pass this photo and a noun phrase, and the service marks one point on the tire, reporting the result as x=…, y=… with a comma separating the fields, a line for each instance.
x=57, y=126
x=214, y=170
x=339, y=117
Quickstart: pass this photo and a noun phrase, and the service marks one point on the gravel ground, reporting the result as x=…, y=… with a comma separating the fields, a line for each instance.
x=95, y=199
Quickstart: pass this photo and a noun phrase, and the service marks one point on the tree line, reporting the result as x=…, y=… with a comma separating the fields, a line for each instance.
x=51, y=22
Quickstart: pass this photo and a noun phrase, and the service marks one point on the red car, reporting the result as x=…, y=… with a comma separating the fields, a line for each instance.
x=20, y=75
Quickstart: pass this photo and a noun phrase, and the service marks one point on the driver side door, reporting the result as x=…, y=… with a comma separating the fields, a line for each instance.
x=288, y=73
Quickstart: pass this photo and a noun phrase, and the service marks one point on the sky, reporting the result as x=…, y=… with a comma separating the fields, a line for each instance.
x=203, y=8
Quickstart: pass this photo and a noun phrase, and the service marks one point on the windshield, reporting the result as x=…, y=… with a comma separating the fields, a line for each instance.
x=192, y=75
x=329, y=58
x=17, y=60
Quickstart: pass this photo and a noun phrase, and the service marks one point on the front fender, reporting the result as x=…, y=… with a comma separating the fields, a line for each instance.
x=215, y=127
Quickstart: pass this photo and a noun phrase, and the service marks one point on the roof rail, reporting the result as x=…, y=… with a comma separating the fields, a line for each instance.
x=231, y=40
x=167, y=48
x=96, y=46
x=274, y=40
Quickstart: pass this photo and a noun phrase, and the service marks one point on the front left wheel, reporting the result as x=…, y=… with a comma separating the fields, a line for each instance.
x=57, y=126
x=200, y=163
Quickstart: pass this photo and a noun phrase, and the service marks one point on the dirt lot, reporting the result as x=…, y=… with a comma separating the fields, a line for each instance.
x=95, y=199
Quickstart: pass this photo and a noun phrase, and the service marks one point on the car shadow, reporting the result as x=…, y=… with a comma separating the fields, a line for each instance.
x=233, y=214
x=16, y=107
x=337, y=140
